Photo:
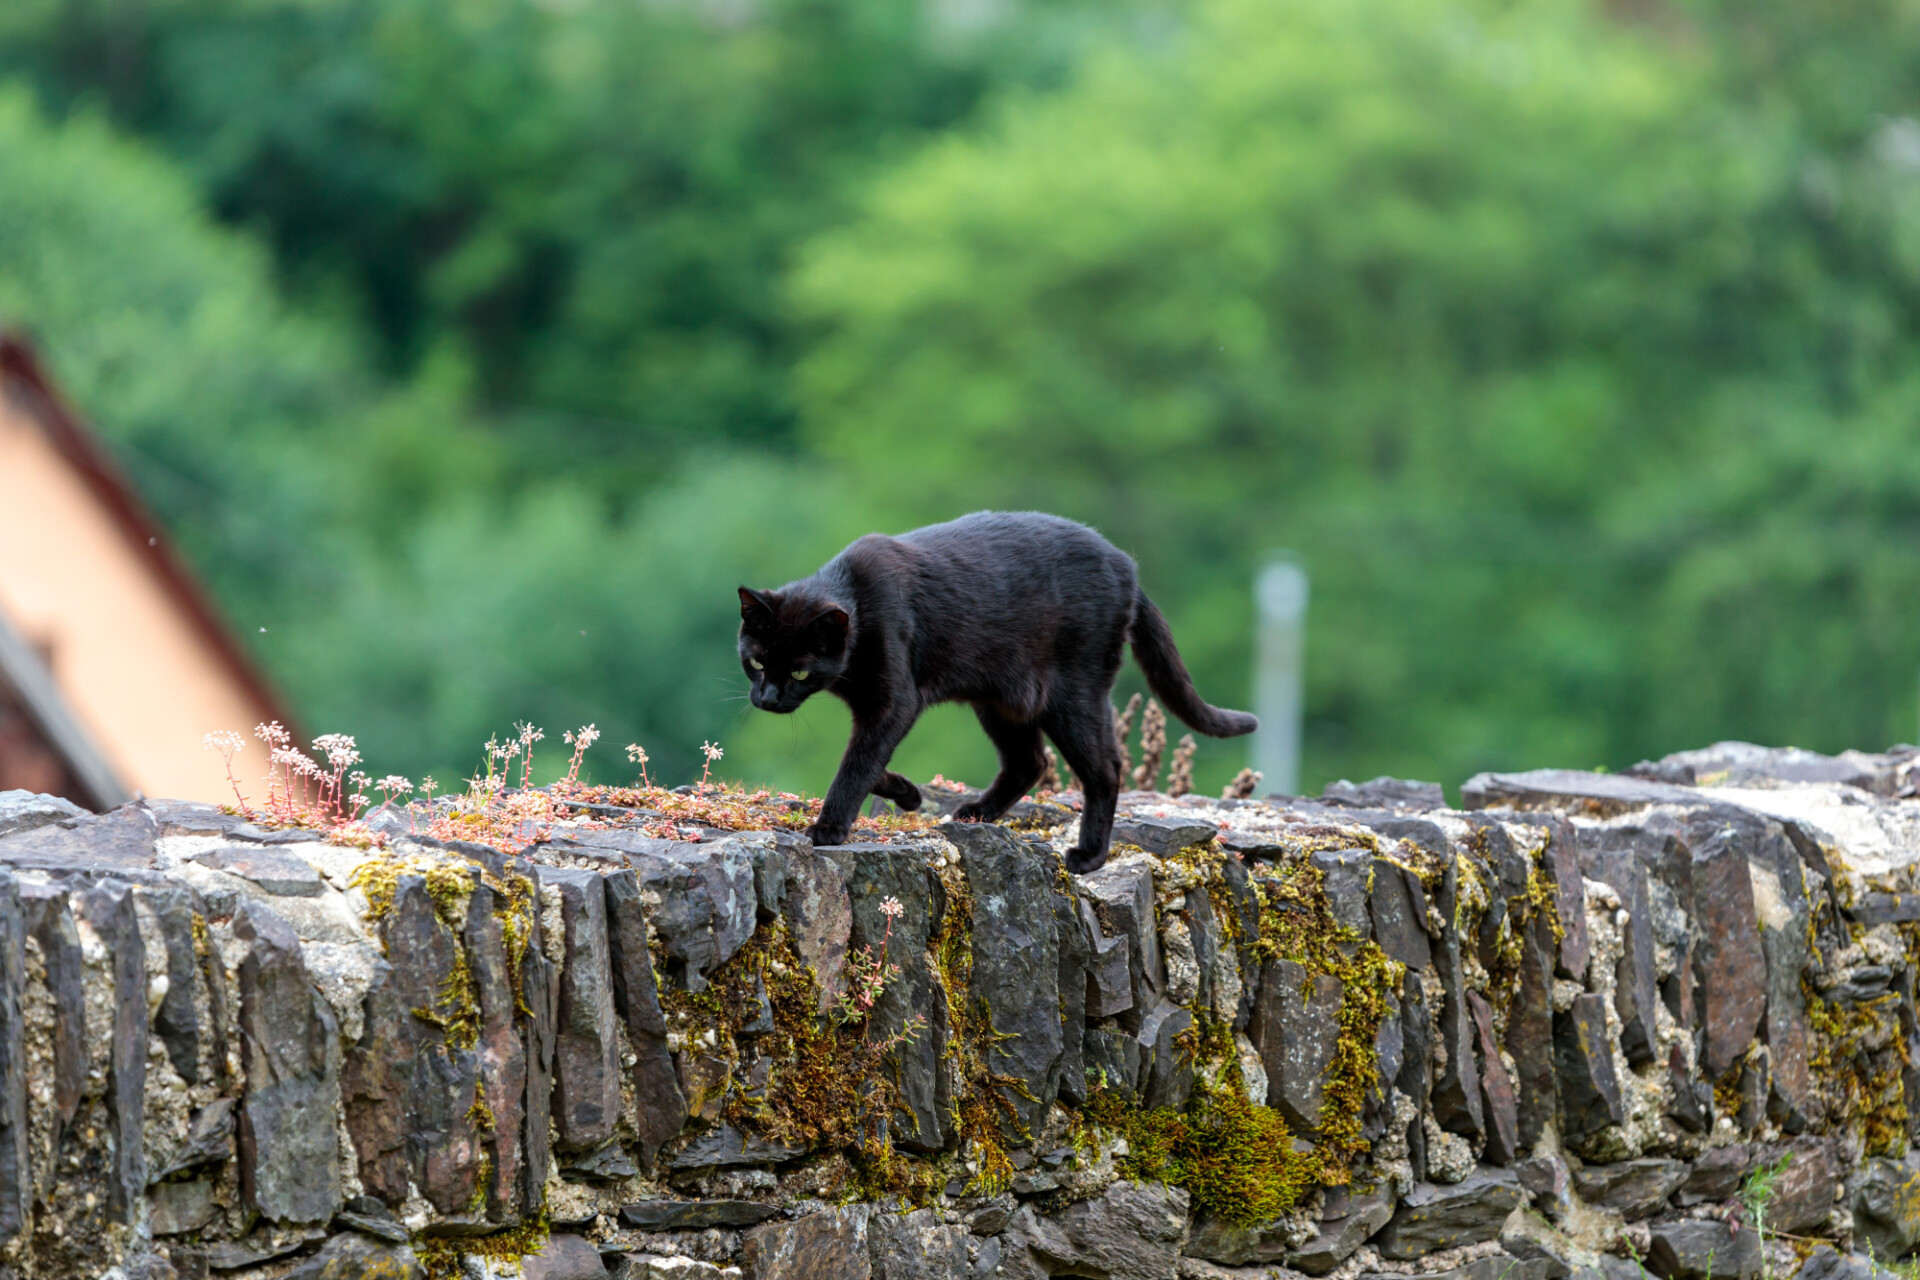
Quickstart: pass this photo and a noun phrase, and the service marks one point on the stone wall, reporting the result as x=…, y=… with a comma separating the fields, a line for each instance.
x=1585, y=1023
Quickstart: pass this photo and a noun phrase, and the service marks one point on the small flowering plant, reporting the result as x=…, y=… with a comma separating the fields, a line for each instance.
x=867, y=975
x=500, y=805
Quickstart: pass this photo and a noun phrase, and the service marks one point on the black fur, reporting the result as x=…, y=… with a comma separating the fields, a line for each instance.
x=1023, y=615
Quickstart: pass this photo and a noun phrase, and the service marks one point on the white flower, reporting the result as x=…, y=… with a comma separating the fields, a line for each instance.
x=711, y=752
x=891, y=907
x=338, y=748
x=587, y=736
x=226, y=742
x=395, y=783
x=636, y=753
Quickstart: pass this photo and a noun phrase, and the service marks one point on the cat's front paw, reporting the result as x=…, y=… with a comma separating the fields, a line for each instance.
x=971, y=813
x=1081, y=863
x=822, y=833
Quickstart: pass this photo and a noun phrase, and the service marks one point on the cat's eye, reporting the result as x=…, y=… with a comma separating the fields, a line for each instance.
x=801, y=675
x=756, y=664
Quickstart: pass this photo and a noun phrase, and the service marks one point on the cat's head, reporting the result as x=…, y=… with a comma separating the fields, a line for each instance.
x=791, y=646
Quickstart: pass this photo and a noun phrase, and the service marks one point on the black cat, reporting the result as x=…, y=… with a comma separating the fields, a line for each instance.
x=1023, y=615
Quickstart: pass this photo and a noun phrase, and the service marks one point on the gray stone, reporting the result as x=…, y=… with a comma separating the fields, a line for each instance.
x=178, y=1207
x=107, y=906
x=708, y=900
x=540, y=993
x=695, y=1215
x=1162, y=836
x=819, y=917
x=1166, y=1068
x=370, y=1217
x=726, y=1146
x=1826, y=1263
x=1886, y=1206
x=1560, y=860
x=1547, y=1179
x=1121, y=894
x=16, y=1182
x=1804, y=1191
x=1635, y=1188
x=25, y=810
x=916, y=1246
x=1496, y=1090
x=874, y=873
x=1296, y=1030
x=1339, y=1238
x=1716, y=1175
x=273, y=869
x=609, y=1163
x=209, y=1139
x=1433, y=1217
x=289, y=1051
x=119, y=841
x=1456, y=1099
x=1227, y=1243
x=1729, y=961
x=660, y=1107
x=1496, y=1267
x=1205, y=936
x=1530, y=1035
x=563, y=1257
x=1385, y=793
x=1239, y=900
x=1398, y=907
x=1016, y=966
x=1528, y=1237
x=1636, y=985
x=1133, y=1231
x=1703, y=1249
x=1871, y=909
x=830, y=1243
x=770, y=870
x=409, y=1088
x=1076, y=950
x=1612, y=1268
x=1589, y=1090
x=352, y=1256
x=500, y=1049
x=1344, y=879
x=1599, y=794
x=1689, y=1100
x=263, y=1244
x=176, y=1021
x=586, y=1090
x=1109, y=969
x=1113, y=1060
x=991, y=1218
x=1793, y=1102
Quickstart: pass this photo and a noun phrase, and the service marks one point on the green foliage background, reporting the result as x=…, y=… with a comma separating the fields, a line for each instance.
x=474, y=349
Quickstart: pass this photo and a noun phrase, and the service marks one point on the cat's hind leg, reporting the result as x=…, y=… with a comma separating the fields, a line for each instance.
x=1083, y=730
x=1022, y=760
x=899, y=790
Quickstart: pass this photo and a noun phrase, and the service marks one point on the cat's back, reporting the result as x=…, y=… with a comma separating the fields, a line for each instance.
x=1015, y=538
x=1001, y=564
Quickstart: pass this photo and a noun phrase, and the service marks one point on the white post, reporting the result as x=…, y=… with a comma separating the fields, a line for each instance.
x=1280, y=599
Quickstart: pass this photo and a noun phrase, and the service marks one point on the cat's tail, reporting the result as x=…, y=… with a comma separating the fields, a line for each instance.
x=1167, y=676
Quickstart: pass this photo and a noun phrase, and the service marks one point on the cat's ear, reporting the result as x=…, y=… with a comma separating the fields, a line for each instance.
x=755, y=610
x=829, y=628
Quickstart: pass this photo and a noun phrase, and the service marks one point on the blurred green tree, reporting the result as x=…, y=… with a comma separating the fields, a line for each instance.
x=1584, y=381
